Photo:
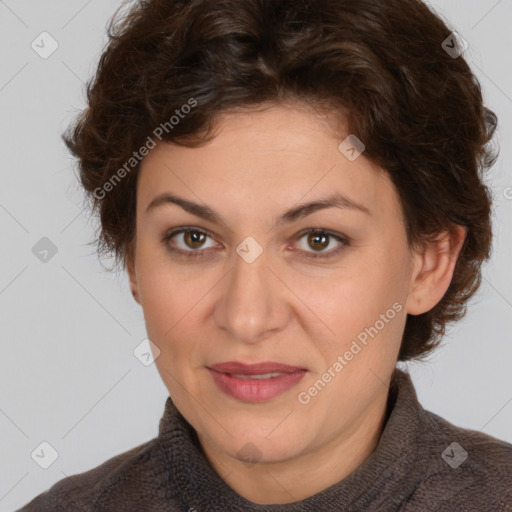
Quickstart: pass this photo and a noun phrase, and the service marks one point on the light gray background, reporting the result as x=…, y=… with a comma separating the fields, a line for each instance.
x=68, y=375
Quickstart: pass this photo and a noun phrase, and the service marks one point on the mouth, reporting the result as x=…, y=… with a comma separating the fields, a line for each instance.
x=255, y=382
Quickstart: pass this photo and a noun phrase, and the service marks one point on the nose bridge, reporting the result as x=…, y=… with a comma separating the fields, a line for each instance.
x=249, y=307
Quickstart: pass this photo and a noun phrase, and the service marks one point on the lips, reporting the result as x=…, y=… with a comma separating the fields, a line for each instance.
x=253, y=369
x=255, y=382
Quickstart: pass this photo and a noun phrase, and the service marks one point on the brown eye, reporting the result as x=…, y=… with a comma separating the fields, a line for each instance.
x=318, y=242
x=188, y=242
x=191, y=243
x=194, y=239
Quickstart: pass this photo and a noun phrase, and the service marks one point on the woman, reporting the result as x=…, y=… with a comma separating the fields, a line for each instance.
x=295, y=189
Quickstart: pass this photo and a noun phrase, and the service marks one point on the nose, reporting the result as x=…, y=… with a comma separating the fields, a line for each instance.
x=253, y=302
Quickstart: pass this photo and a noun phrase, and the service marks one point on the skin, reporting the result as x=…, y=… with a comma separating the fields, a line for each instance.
x=283, y=307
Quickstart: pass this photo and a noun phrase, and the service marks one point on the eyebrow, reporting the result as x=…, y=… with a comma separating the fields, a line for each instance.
x=337, y=200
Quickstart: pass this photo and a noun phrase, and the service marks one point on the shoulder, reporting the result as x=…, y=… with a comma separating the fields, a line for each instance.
x=467, y=469
x=120, y=475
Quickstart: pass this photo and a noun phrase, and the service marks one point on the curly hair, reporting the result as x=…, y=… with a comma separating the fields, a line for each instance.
x=382, y=64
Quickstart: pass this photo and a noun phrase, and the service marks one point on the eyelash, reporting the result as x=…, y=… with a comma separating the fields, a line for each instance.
x=199, y=253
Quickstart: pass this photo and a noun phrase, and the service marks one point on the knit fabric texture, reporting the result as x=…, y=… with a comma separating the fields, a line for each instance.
x=421, y=463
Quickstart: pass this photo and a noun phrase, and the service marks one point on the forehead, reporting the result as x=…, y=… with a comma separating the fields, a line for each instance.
x=277, y=156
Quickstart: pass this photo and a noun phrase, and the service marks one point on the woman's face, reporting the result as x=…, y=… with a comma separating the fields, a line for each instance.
x=235, y=275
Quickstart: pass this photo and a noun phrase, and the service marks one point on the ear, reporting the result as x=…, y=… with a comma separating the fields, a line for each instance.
x=434, y=265
x=132, y=276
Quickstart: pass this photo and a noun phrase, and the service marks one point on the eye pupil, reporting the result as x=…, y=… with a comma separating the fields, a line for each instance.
x=195, y=238
x=316, y=237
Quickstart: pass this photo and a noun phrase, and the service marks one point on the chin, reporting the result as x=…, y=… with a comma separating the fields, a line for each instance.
x=259, y=447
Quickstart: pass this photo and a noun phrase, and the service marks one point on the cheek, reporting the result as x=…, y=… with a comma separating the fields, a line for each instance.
x=173, y=302
x=365, y=302
x=164, y=299
x=165, y=288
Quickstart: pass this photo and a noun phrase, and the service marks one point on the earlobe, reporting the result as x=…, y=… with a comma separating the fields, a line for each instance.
x=433, y=270
x=132, y=279
x=135, y=292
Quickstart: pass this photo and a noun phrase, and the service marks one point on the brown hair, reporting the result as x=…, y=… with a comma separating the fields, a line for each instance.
x=418, y=109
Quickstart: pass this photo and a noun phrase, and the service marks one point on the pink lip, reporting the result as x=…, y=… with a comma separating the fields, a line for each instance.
x=253, y=369
x=251, y=389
